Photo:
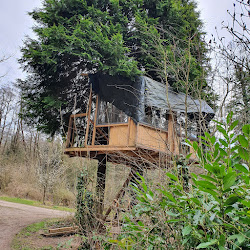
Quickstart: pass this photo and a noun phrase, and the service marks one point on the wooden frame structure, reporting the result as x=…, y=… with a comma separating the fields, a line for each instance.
x=123, y=139
x=129, y=143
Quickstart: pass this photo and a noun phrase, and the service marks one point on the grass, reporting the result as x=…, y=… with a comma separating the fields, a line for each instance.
x=26, y=238
x=35, y=203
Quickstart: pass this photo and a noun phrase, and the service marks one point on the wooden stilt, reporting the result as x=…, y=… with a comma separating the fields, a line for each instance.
x=119, y=194
x=100, y=184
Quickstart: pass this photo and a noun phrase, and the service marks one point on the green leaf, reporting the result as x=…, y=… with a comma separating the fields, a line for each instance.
x=140, y=223
x=206, y=184
x=229, y=209
x=171, y=176
x=222, y=152
x=207, y=244
x=231, y=200
x=233, y=125
x=229, y=117
x=222, y=130
x=213, y=139
x=195, y=145
x=243, y=141
x=222, y=242
x=196, y=201
x=222, y=248
x=208, y=178
x=246, y=203
x=212, y=192
x=241, y=168
x=229, y=180
x=246, y=130
x=170, y=196
x=223, y=142
x=243, y=154
x=149, y=197
x=172, y=214
x=188, y=156
x=239, y=237
x=186, y=230
x=174, y=220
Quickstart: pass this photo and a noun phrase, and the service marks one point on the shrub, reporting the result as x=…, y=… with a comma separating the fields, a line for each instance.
x=213, y=213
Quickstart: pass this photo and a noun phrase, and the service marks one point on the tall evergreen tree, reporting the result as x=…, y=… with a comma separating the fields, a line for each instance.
x=108, y=36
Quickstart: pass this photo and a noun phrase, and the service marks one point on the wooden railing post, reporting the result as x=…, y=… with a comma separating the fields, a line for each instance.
x=88, y=121
x=94, y=129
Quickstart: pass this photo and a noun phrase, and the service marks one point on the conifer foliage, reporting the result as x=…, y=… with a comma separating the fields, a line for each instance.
x=75, y=36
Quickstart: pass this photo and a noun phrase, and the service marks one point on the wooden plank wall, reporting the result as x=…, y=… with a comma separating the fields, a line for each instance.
x=151, y=138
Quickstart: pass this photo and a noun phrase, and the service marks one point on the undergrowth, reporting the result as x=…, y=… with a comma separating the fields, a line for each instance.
x=211, y=212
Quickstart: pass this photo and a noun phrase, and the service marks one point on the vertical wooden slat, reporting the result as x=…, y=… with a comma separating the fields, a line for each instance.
x=94, y=129
x=69, y=133
x=171, y=133
x=129, y=125
x=88, y=121
x=74, y=131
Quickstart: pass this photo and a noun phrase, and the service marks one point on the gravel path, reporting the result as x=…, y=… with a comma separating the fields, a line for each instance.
x=14, y=217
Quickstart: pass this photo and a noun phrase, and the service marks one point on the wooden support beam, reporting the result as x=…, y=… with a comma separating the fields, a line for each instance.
x=171, y=133
x=100, y=131
x=78, y=115
x=112, y=125
x=94, y=129
x=129, y=125
x=88, y=113
x=69, y=133
x=100, y=184
x=119, y=194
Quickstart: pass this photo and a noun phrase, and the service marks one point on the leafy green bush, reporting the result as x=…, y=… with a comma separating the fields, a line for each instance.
x=212, y=214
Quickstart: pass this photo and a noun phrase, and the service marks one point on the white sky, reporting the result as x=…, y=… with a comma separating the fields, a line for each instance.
x=15, y=24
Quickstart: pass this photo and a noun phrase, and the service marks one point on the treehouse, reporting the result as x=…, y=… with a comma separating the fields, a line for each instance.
x=140, y=123
x=132, y=122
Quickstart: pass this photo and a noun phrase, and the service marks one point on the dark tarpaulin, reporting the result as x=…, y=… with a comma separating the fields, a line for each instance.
x=132, y=96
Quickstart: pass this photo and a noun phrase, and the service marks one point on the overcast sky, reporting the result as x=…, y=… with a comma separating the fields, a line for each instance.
x=15, y=24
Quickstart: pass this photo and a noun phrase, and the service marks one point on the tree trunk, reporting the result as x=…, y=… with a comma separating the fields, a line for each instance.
x=44, y=194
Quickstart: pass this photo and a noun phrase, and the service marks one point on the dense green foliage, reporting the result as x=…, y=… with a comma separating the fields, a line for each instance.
x=213, y=214
x=108, y=36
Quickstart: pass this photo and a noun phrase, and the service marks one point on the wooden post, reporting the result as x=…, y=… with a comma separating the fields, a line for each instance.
x=69, y=132
x=94, y=129
x=129, y=122
x=100, y=184
x=171, y=133
x=88, y=121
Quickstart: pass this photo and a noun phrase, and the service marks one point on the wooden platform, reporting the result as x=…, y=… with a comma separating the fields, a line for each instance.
x=122, y=141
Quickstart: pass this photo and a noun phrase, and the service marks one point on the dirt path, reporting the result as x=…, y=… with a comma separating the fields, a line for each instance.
x=14, y=217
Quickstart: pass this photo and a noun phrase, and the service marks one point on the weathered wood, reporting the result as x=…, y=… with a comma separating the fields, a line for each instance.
x=151, y=138
x=69, y=132
x=119, y=194
x=78, y=115
x=129, y=125
x=88, y=121
x=101, y=147
x=171, y=133
x=111, y=125
x=118, y=135
x=94, y=129
x=61, y=231
x=100, y=184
